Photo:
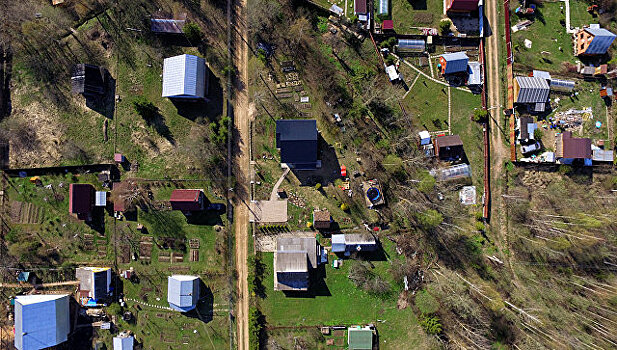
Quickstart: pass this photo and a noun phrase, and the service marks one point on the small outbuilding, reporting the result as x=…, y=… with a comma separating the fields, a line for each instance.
x=94, y=285
x=41, y=321
x=526, y=128
x=475, y=74
x=322, y=219
x=353, y=243
x=297, y=140
x=100, y=199
x=449, y=147
x=185, y=77
x=182, y=292
x=124, y=341
x=88, y=80
x=167, y=26
x=81, y=200
x=453, y=63
x=461, y=6
x=360, y=338
x=188, y=200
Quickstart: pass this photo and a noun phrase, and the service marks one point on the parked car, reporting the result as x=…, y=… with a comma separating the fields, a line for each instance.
x=217, y=207
x=534, y=147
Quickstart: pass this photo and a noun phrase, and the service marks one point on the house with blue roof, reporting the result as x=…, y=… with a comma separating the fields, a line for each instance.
x=453, y=63
x=297, y=140
x=41, y=321
x=593, y=40
x=185, y=77
x=182, y=292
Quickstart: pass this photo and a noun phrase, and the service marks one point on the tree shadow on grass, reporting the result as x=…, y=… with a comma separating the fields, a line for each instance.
x=163, y=223
x=157, y=121
x=206, y=217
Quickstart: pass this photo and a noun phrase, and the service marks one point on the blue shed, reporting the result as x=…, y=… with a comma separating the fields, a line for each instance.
x=297, y=140
x=185, y=77
x=41, y=321
x=182, y=292
x=452, y=63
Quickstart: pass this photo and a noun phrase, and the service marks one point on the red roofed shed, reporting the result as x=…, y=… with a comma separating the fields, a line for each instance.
x=81, y=199
x=461, y=5
x=187, y=200
x=387, y=24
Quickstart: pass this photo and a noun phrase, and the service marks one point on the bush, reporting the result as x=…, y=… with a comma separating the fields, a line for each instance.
x=318, y=186
x=220, y=131
x=344, y=207
x=444, y=27
x=322, y=24
x=538, y=134
x=426, y=303
x=393, y=164
x=256, y=328
x=480, y=115
x=427, y=182
x=192, y=33
x=429, y=219
x=146, y=109
x=565, y=169
x=431, y=325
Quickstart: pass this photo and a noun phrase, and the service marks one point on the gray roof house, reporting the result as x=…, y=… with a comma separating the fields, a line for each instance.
x=294, y=259
x=124, y=341
x=185, y=77
x=41, y=321
x=526, y=127
x=182, y=292
x=532, y=91
x=297, y=140
x=353, y=242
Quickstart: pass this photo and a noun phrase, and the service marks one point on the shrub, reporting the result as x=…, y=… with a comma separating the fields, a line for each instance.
x=429, y=219
x=322, y=24
x=444, y=27
x=344, y=207
x=318, y=186
x=192, y=33
x=538, y=134
x=393, y=164
x=146, y=109
x=431, y=325
x=426, y=303
x=256, y=327
x=480, y=115
x=480, y=226
x=220, y=131
x=427, y=182
x=261, y=54
x=565, y=169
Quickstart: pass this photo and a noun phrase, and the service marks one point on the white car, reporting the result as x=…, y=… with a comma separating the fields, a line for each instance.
x=526, y=149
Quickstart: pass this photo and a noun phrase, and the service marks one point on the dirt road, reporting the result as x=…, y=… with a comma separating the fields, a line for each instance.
x=499, y=152
x=241, y=170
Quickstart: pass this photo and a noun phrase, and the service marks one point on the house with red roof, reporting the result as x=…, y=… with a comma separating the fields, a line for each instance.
x=571, y=150
x=81, y=200
x=461, y=5
x=188, y=200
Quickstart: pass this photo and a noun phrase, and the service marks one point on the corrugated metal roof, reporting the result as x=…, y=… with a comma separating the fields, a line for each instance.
x=602, y=40
x=182, y=292
x=541, y=74
x=81, y=198
x=299, y=244
x=169, y=26
x=100, y=199
x=475, y=74
x=297, y=140
x=184, y=76
x=455, y=62
x=600, y=155
x=296, y=129
x=123, y=342
x=462, y=5
x=41, y=321
x=291, y=261
x=359, y=7
x=532, y=90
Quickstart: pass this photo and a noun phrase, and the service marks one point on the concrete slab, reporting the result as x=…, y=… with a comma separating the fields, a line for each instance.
x=273, y=211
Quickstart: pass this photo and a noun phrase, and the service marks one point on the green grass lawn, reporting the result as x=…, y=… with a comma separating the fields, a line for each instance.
x=547, y=34
x=427, y=102
x=407, y=14
x=339, y=301
x=463, y=104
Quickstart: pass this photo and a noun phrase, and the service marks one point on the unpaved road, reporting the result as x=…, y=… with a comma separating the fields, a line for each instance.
x=499, y=152
x=241, y=171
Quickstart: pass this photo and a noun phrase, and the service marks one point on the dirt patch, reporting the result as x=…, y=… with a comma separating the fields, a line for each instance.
x=536, y=179
x=403, y=301
x=35, y=136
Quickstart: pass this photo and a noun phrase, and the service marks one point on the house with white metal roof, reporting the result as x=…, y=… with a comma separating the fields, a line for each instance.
x=41, y=321
x=185, y=77
x=182, y=292
x=124, y=341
